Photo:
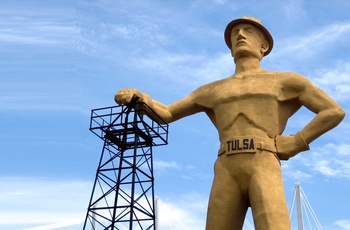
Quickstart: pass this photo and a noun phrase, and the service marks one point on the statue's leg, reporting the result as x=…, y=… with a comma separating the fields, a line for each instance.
x=266, y=194
x=227, y=207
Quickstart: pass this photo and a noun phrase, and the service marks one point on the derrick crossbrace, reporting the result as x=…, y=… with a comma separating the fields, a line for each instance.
x=123, y=192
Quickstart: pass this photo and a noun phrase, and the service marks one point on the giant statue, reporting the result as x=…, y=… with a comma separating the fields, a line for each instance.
x=250, y=110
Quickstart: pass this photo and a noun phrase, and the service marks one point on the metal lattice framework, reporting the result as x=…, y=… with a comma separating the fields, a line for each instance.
x=123, y=191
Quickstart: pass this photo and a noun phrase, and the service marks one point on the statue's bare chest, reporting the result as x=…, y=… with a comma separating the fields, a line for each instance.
x=235, y=89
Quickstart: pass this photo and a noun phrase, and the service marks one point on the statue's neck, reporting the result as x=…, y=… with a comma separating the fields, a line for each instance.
x=245, y=65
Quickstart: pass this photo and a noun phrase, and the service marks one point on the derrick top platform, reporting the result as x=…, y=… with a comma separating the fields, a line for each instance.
x=129, y=126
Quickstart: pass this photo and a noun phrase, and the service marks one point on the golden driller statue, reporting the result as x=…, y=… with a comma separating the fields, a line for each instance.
x=250, y=110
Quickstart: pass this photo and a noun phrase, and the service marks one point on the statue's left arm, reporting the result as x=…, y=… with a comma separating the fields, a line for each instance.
x=328, y=115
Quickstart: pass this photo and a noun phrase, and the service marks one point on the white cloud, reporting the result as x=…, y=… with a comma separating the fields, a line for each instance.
x=325, y=167
x=296, y=175
x=330, y=160
x=141, y=29
x=36, y=98
x=40, y=217
x=343, y=224
x=161, y=165
x=60, y=225
x=220, y=2
x=335, y=80
x=310, y=45
x=38, y=27
x=186, y=211
x=194, y=69
x=29, y=200
x=293, y=10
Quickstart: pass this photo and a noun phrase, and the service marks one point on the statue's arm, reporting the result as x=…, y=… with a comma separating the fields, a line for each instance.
x=328, y=115
x=168, y=113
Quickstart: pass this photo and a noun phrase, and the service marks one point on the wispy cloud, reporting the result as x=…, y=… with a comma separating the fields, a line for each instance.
x=37, y=201
x=343, y=224
x=123, y=34
x=47, y=203
x=330, y=160
x=308, y=45
x=185, y=68
x=44, y=25
x=162, y=165
x=39, y=94
x=335, y=80
x=60, y=225
x=290, y=172
x=186, y=211
x=297, y=51
x=293, y=10
x=220, y=2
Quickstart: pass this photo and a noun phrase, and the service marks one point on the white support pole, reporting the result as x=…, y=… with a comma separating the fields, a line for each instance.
x=299, y=207
x=156, y=213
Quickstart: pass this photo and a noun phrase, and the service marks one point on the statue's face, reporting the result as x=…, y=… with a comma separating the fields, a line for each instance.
x=247, y=40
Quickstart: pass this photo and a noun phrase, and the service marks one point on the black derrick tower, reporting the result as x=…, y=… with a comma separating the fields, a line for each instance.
x=123, y=192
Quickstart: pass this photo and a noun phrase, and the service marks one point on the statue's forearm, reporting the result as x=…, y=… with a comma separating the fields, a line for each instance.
x=324, y=121
x=161, y=110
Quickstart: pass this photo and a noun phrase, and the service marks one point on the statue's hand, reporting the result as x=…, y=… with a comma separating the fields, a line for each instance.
x=289, y=146
x=125, y=96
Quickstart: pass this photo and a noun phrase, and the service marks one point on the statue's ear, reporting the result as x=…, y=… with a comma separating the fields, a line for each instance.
x=264, y=46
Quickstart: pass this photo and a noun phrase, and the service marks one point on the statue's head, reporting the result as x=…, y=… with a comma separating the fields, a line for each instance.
x=256, y=24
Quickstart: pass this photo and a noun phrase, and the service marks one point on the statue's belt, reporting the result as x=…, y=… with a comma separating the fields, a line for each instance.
x=246, y=144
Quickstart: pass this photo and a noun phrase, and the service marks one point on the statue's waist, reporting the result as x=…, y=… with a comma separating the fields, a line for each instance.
x=246, y=144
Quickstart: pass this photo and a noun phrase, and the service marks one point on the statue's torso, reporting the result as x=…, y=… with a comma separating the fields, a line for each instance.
x=251, y=105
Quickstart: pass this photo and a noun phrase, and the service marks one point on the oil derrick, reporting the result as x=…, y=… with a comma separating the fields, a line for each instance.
x=123, y=192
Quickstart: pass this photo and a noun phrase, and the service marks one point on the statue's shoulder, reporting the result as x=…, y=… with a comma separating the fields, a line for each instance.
x=210, y=86
x=288, y=75
x=292, y=84
x=204, y=92
x=290, y=78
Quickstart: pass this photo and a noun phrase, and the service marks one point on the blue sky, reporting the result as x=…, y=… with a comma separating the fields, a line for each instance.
x=60, y=59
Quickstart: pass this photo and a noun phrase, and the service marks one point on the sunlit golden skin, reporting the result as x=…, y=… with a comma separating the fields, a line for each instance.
x=251, y=105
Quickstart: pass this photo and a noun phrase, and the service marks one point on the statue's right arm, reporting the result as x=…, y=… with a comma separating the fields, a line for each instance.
x=168, y=113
